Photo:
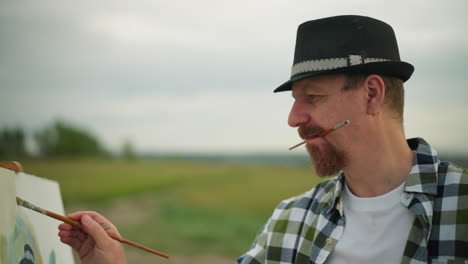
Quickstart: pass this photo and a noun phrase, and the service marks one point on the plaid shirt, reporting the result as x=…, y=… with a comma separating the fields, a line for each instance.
x=306, y=228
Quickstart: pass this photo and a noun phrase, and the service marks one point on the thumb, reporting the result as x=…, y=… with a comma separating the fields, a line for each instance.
x=96, y=231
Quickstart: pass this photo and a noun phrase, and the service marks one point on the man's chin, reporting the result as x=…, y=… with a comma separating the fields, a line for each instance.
x=326, y=161
x=323, y=172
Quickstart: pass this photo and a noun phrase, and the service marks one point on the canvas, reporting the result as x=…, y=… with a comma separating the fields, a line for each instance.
x=27, y=237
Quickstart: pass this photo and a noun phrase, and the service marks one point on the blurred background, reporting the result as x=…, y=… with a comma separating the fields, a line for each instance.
x=160, y=114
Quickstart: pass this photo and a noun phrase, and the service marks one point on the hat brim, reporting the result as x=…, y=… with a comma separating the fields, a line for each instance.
x=399, y=69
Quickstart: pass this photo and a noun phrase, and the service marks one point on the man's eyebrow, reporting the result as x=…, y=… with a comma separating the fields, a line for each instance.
x=311, y=87
x=305, y=89
x=314, y=89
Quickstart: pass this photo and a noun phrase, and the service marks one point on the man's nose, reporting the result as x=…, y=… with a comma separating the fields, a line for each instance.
x=298, y=116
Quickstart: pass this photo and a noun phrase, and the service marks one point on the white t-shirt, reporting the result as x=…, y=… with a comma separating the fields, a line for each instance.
x=376, y=229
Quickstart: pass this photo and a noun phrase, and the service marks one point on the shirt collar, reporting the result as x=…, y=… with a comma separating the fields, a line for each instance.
x=421, y=179
x=423, y=175
x=335, y=194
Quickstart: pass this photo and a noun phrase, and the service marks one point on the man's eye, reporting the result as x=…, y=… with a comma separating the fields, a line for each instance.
x=312, y=97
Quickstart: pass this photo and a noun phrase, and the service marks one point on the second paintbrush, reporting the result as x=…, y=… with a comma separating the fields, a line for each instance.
x=323, y=133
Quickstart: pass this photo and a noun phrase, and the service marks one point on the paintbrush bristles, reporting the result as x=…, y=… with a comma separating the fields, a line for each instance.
x=342, y=124
x=323, y=133
x=29, y=205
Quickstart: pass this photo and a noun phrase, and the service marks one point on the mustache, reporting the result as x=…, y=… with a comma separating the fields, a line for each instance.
x=305, y=132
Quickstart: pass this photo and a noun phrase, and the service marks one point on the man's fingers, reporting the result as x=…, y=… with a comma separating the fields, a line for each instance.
x=72, y=241
x=66, y=227
x=95, y=230
x=97, y=217
x=106, y=225
x=76, y=234
x=92, y=238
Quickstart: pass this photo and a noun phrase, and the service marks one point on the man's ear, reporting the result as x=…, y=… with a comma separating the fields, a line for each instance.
x=375, y=88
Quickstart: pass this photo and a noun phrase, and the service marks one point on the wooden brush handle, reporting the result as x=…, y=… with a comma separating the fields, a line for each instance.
x=64, y=219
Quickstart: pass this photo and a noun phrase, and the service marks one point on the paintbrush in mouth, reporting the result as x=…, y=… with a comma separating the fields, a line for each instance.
x=323, y=133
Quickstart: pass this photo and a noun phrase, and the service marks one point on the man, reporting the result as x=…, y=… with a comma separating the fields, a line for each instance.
x=393, y=200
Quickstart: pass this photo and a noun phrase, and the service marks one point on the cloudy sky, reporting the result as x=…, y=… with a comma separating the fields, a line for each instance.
x=197, y=76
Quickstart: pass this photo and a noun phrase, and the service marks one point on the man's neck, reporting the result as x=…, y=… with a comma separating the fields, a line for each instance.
x=380, y=165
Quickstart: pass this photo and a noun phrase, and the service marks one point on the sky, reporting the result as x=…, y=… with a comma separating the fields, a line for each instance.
x=197, y=76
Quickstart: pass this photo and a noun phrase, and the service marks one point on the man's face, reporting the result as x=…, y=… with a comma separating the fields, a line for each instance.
x=320, y=103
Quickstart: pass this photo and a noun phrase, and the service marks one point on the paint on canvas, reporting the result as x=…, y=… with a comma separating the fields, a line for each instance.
x=26, y=236
x=7, y=213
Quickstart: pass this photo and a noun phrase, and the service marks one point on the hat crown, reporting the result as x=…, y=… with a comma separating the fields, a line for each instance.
x=341, y=36
x=346, y=45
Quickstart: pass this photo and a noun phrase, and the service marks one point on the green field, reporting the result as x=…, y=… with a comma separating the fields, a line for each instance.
x=182, y=208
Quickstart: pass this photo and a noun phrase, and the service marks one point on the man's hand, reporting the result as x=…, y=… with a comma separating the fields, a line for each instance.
x=92, y=244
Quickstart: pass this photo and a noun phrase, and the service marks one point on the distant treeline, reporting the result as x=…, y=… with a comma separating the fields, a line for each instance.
x=60, y=139
x=64, y=140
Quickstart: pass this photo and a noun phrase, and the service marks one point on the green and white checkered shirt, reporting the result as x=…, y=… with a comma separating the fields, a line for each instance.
x=306, y=228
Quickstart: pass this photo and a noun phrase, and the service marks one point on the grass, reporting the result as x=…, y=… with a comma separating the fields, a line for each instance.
x=181, y=207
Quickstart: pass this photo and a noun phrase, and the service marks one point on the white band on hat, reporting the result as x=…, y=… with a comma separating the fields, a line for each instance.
x=332, y=63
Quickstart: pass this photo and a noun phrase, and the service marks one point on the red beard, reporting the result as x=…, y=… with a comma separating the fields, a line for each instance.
x=326, y=159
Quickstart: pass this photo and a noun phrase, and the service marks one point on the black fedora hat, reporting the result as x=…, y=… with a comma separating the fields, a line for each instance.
x=346, y=44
